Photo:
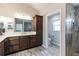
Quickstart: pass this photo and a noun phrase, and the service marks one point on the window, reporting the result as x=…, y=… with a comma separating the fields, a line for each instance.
x=56, y=23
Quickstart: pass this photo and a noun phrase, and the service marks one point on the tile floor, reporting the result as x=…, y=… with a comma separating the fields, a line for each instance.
x=39, y=51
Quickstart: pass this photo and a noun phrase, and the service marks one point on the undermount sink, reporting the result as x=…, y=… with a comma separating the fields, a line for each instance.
x=23, y=33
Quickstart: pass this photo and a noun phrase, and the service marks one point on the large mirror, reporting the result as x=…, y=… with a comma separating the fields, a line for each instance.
x=10, y=24
x=23, y=25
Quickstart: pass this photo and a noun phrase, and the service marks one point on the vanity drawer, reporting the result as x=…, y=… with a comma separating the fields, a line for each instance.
x=24, y=37
x=12, y=38
x=32, y=36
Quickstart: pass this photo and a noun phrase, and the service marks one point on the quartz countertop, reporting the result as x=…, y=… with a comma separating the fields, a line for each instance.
x=5, y=35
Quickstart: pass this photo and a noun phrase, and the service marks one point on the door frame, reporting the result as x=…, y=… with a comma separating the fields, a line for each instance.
x=49, y=14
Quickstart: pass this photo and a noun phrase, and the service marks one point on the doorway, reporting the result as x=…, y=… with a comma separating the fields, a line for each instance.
x=54, y=31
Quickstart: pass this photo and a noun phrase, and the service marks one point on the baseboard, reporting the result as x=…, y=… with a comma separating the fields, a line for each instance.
x=44, y=46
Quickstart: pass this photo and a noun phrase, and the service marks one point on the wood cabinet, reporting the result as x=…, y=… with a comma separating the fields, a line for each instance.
x=1, y=48
x=14, y=44
x=39, y=41
x=38, y=26
x=32, y=41
x=34, y=24
x=24, y=42
x=14, y=40
x=11, y=44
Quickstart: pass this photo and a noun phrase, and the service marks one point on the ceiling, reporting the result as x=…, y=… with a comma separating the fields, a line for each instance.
x=75, y=4
x=40, y=6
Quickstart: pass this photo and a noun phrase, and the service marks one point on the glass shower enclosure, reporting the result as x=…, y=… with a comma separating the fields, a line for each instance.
x=72, y=30
x=69, y=28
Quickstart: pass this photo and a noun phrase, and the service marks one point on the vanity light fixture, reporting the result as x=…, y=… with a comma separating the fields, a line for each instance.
x=17, y=15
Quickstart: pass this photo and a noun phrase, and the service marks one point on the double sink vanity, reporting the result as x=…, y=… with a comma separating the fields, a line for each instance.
x=12, y=42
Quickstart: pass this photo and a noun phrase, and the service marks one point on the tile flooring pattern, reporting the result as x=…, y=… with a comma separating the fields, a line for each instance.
x=38, y=51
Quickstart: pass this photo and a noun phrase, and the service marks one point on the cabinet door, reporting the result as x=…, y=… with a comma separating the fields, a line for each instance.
x=14, y=40
x=14, y=48
x=39, y=40
x=14, y=44
x=6, y=46
x=2, y=48
x=34, y=24
x=24, y=40
x=39, y=24
x=32, y=41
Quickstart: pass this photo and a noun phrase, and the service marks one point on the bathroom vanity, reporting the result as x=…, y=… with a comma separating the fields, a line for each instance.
x=18, y=41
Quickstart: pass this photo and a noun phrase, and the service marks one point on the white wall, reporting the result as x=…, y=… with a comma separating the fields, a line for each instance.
x=52, y=8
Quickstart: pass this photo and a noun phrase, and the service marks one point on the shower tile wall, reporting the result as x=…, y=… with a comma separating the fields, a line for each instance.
x=76, y=31
x=69, y=28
